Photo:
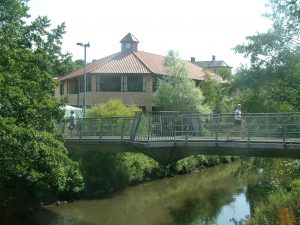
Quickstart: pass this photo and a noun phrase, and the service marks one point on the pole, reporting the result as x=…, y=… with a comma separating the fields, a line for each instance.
x=84, y=76
x=84, y=82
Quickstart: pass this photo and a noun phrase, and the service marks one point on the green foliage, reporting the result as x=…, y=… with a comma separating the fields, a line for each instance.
x=295, y=185
x=275, y=64
x=268, y=212
x=279, y=190
x=177, y=92
x=225, y=74
x=106, y=172
x=34, y=166
x=112, y=108
x=215, y=95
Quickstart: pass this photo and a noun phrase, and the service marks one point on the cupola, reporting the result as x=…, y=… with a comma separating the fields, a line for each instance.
x=129, y=43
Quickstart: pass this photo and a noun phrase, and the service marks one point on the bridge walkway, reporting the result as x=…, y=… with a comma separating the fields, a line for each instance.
x=182, y=134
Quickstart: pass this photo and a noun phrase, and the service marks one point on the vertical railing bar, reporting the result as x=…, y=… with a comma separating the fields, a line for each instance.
x=122, y=134
x=248, y=131
x=101, y=127
x=217, y=128
x=174, y=127
x=186, y=134
x=284, y=130
x=80, y=131
x=149, y=126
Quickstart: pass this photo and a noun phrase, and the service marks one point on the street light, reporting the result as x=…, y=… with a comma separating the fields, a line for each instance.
x=84, y=76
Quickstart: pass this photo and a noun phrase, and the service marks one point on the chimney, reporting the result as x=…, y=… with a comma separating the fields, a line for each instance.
x=213, y=58
x=193, y=59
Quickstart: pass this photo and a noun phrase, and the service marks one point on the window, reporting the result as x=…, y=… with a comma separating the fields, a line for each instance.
x=72, y=87
x=61, y=90
x=88, y=83
x=154, y=84
x=136, y=83
x=108, y=83
x=124, y=83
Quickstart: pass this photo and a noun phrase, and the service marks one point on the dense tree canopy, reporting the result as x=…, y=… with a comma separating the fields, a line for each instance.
x=272, y=83
x=32, y=160
x=177, y=92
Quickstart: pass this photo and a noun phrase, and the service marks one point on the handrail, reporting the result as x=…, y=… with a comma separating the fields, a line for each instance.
x=188, y=127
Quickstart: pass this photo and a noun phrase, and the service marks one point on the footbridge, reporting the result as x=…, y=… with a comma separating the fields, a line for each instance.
x=170, y=136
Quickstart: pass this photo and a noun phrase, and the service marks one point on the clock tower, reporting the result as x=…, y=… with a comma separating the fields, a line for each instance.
x=129, y=43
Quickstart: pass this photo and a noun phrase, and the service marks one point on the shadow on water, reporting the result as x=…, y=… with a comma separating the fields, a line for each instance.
x=41, y=216
x=193, y=199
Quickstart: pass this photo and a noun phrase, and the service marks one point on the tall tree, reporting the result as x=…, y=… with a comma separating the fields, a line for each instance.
x=177, y=91
x=275, y=63
x=33, y=164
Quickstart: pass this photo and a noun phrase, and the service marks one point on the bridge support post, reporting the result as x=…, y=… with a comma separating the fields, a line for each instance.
x=135, y=126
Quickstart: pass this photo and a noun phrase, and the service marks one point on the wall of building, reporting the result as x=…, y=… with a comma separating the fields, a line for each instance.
x=144, y=99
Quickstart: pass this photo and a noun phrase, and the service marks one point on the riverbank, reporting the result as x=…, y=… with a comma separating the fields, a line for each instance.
x=212, y=194
x=105, y=173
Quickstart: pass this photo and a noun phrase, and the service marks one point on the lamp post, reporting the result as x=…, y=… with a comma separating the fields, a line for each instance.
x=84, y=76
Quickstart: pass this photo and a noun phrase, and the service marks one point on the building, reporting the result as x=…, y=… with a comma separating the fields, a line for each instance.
x=214, y=65
x=130, y=75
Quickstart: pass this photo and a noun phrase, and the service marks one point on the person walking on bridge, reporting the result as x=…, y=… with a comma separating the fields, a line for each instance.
x=238, y=122
x=72, y=124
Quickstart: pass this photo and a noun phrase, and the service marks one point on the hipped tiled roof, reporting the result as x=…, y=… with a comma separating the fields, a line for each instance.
x=215, y=63
x=137, y=63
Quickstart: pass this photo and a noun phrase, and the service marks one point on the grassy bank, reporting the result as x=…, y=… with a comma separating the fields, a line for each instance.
x=105, y=173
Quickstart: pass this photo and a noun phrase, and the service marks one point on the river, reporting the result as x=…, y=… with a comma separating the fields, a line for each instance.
x=212, y=196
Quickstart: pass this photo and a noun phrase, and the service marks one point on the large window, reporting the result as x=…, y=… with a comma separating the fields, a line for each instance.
x=118, y=83
x=88, y=83
x=136, y=83
x=72, y=87
x=108, y=83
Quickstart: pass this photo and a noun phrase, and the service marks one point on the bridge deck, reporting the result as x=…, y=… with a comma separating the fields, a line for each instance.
x=268, y=135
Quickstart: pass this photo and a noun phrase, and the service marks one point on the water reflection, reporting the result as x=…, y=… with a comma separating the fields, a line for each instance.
x=185, y=200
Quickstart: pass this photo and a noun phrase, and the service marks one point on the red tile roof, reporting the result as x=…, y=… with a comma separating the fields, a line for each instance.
x=138, y=63
x=122, y=63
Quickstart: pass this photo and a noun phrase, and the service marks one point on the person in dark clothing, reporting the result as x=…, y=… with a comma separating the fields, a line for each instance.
x=72, y=124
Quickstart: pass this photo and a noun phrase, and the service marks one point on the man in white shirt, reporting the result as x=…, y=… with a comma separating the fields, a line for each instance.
x=238, y=120
x=238, y=126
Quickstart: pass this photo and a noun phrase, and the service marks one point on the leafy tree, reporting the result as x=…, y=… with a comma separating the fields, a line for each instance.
x=112, y=108
x=32, y=161
x=216, y=95
x=275, y=64
x=225, y=74
x=177, y=91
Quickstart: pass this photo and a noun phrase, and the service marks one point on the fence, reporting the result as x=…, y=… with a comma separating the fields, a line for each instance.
x=173, y=126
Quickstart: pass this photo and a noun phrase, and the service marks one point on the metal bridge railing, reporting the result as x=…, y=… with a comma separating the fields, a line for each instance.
x=109, y=127
x=179, y=126
x=172, y=126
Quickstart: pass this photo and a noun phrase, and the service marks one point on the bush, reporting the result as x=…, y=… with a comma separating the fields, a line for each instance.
x=112, y=108
x=34, y=168
x=281, y=207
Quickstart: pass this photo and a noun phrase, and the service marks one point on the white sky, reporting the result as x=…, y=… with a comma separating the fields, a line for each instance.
x=198, y=28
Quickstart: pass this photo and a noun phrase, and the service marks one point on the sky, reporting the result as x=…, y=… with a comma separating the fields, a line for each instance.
x=194, y=28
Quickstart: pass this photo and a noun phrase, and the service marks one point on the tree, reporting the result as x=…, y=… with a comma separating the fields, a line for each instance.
x=112, y=108
x=33, y=161
x=177, y=91
x=275, y=63
x=215, y=95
